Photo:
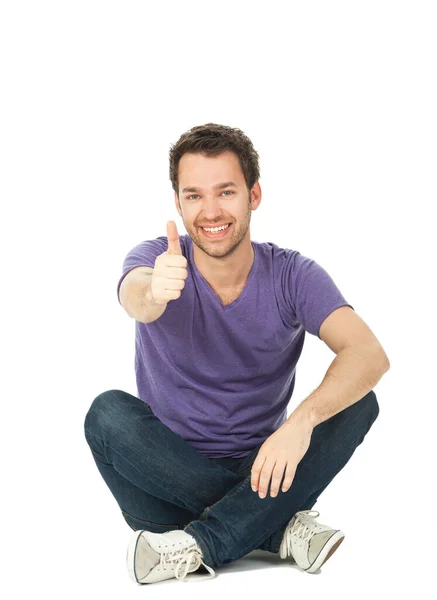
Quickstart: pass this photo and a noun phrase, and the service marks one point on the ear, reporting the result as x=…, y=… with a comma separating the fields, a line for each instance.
x=255, y=195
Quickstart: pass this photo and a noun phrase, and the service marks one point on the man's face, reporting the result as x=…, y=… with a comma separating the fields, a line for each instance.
x=210, y=206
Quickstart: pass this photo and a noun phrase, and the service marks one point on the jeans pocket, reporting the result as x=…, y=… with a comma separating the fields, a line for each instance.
x=136, y=524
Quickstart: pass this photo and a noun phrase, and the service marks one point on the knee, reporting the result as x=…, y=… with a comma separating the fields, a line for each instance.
x=102, y=409
x=370, y=407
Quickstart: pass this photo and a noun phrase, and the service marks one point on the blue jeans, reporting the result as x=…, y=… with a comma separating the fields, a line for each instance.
x=161, y=482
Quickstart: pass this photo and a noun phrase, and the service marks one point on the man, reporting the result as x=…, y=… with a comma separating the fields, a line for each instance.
x=204, y=464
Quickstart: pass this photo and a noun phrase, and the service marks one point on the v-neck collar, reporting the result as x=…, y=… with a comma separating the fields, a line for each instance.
x=209, y=289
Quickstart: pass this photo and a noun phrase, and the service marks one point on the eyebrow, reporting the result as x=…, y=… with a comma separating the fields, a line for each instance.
x=219, y=186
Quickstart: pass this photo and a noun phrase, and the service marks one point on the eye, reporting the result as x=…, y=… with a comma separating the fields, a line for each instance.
x=224, y=192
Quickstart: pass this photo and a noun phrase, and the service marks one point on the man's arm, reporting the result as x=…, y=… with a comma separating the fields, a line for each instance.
x=359, y=365
x=135, y=296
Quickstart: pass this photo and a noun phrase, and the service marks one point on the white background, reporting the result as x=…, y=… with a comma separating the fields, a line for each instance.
x=339, y=99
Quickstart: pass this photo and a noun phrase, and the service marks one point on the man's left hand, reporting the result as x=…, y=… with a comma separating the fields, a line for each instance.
x=283, y=450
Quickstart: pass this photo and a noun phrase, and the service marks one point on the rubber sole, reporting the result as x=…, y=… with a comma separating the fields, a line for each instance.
x=326, y=552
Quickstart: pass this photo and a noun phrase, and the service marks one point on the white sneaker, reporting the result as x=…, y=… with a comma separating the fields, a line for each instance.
x=152, y=557
x=308, y=542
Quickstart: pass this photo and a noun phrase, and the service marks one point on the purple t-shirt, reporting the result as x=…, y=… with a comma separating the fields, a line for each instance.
x=222, y=376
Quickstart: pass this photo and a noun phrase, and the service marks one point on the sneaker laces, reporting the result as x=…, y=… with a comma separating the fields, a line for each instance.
x=187, y=560
x=300, y=527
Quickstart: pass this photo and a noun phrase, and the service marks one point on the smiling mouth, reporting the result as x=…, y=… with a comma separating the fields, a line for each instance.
x=217, y=234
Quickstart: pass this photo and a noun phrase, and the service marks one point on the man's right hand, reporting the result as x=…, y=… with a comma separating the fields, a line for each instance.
x=170, y=270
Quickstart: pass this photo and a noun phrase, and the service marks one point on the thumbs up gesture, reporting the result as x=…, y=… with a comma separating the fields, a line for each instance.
x=170, y=270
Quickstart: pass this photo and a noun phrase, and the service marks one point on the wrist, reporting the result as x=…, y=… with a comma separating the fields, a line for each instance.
x=302, y=417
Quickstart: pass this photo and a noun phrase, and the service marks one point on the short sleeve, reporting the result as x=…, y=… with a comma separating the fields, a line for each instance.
x=309, y=291
x=142, y=255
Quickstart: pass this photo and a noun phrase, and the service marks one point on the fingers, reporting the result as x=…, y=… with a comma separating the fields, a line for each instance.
x=174, y=246
x=290, y=472
x=256, y=469
x=261, y=476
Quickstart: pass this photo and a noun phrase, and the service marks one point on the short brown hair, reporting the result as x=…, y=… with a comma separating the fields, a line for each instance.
x=212, y=139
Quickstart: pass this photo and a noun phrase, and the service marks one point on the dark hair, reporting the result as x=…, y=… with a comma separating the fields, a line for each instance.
x=211, y=140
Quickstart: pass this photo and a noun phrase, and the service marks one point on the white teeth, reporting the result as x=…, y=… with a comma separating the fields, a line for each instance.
x=215, y=229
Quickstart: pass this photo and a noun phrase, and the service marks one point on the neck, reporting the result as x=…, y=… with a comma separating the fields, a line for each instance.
x=228, y=272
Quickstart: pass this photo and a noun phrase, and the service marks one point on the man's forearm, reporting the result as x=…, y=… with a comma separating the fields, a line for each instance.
x=138, y=302
x=353, y=373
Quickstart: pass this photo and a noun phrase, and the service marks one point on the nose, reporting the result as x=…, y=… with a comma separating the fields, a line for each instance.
x=211, y=210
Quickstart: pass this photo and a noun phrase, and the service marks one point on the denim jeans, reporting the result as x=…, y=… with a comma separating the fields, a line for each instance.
x=161, y=482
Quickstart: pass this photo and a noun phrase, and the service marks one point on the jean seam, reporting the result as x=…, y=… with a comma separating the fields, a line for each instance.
x=246, y=480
